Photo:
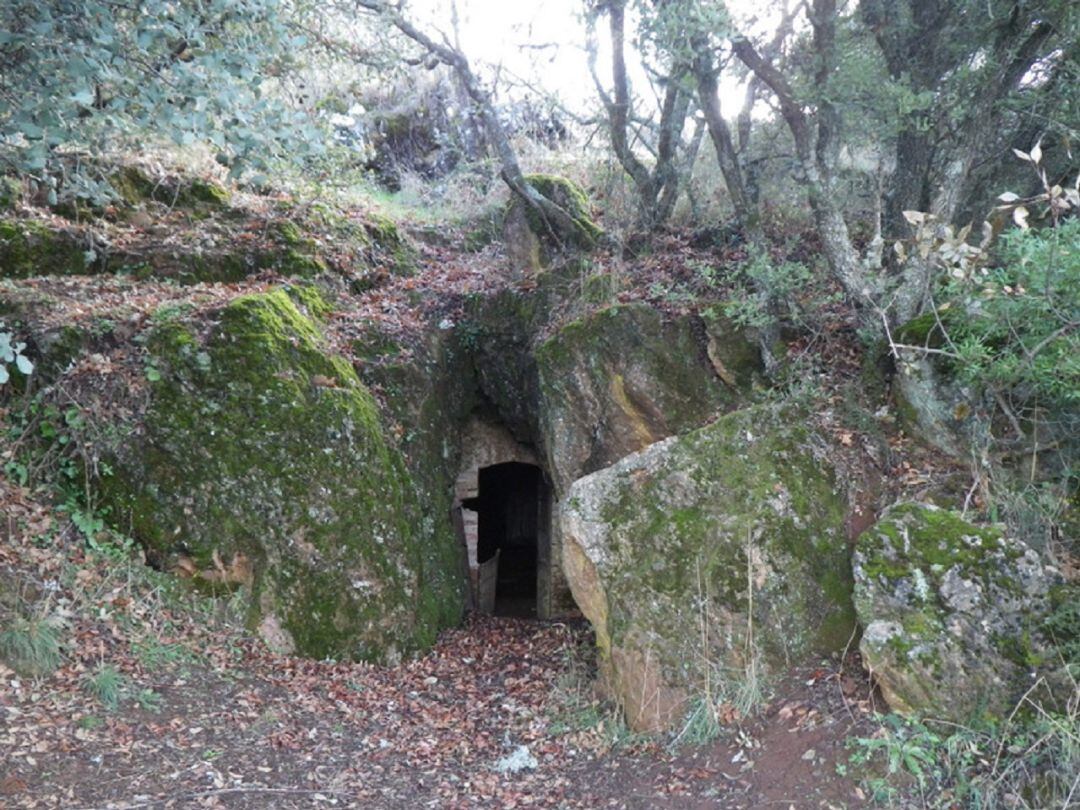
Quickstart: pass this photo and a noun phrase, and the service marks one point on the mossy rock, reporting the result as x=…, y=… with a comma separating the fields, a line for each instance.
x=497, y=333
x=390, y=246
x=530, y=243
x=203, y=192
x=570, y=197
x=133, y=185
x=11, y=192
x=29, y=248
x=623, y=377
x=261, y=452
x=427, y=389
x=953, y=614
x=695, y=535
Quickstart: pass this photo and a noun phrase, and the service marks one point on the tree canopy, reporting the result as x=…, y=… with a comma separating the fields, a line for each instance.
x=77, y=78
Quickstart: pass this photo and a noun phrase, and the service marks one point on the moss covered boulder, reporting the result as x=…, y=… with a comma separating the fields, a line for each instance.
x=133, y=185
x=530, y=243
x=426, y=388
x=622, y=378
x=672, y=550
x=261, y=464
x=952, y=613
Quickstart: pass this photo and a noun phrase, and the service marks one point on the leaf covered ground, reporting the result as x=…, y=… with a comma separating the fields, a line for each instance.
x=161, y=700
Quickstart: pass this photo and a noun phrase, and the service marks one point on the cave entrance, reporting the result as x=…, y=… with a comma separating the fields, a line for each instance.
x=512, y=516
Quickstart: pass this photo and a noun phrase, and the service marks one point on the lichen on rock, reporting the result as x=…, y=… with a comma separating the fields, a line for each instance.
x=952, y=613
x=671, y=550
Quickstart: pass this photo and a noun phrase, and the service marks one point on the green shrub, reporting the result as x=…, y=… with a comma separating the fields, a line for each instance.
x=1019, y=334
x=32, y=645
x=107, y=684
x=1030, y=761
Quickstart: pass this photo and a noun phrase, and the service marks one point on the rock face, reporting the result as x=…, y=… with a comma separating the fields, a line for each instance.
x=261, y=461
x=952, y=613
x=671, y=550
x=623, y=378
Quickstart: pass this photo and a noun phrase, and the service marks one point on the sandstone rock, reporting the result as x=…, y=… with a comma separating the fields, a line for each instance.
x=622, y=378
x=671, y=550
x=952, y=613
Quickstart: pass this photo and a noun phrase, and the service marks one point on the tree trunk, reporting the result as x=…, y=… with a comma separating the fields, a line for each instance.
x=560, y=224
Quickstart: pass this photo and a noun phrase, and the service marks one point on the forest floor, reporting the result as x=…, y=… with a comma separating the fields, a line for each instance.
x=199, y=715
x=162, y=700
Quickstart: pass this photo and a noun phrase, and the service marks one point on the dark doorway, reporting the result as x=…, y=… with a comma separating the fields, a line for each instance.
x=508, y=504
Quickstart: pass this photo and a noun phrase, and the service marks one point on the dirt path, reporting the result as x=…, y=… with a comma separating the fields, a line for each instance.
x=243, y=728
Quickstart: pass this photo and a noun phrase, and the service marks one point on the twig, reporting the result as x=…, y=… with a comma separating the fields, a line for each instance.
x=843, y=659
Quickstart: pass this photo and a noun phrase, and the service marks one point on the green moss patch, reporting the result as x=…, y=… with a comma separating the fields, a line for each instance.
x=29, y=248
x=571, y=198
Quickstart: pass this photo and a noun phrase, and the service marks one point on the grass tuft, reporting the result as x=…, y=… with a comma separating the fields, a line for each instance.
x=107, y=684
x=31, y=645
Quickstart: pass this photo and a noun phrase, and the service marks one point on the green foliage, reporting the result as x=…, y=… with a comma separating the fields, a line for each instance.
x=155, y=654
x=100, y=74
x=1019, y=334
x=31, y=644
x=1062, y=626
x=107, y=684
x=148, y=700
x=702, y=724
x=757, y=281
x=670, y=32
x=907, y=747
x=11, y=352
x=1029, y=762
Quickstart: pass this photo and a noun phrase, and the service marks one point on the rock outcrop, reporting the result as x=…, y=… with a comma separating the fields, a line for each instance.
x=708, y=555
x=952, y=613
x=530, y=243
x=623, y=377
x=261, y=461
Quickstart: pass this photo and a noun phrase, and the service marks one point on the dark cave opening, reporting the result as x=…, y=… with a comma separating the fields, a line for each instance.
x=509, y=506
